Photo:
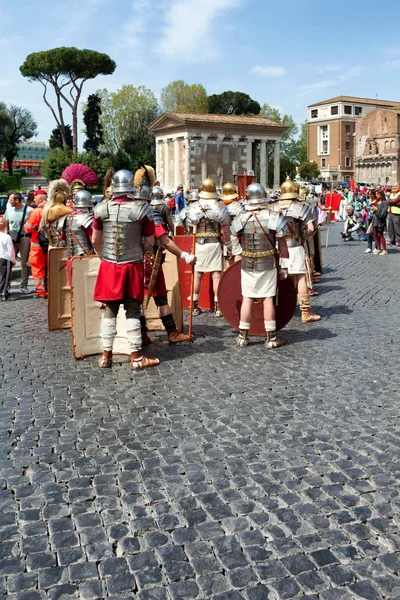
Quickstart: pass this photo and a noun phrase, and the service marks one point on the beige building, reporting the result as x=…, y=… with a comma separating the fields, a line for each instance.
x=331, y=132
x=192, y=147
x=377, y=157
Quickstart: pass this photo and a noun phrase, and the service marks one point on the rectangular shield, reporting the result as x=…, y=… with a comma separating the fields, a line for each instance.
x=171, y=275
x=59, y=294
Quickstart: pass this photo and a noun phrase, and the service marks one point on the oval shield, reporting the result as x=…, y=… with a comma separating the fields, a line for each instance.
x=230, y=301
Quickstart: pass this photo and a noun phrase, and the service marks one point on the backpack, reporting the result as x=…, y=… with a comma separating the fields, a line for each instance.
x=43, y=242
x=171, y=204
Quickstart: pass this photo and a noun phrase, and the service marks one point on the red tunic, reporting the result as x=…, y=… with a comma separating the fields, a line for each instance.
x=160, y=289
x=117, y=281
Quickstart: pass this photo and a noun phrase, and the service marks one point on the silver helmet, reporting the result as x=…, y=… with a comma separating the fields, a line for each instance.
x=255, y=195
x=157, y=196
x=123, y=182
x=143, y=192
x=194, y=196
x=83, y=199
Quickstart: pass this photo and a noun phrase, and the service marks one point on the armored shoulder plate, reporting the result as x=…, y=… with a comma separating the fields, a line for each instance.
x=101, y=210
x=140, y=210
x=239, y=222
x=85, y=220
x=234, y=208
x=157, y=218
x=61, y=223
x=215, y=210
x=193, y=213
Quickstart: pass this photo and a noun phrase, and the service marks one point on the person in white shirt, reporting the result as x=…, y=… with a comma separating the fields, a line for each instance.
x=7, y=260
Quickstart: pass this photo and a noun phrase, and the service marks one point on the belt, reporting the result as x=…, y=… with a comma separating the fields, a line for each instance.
x=259, y=254
x=207, y=235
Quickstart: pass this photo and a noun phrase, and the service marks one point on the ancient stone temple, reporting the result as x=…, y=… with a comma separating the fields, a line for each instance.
x=192, y=147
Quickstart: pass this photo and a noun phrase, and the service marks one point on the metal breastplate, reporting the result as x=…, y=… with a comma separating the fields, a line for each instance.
x=78, y=242
x=122, y=237
x=258, y=249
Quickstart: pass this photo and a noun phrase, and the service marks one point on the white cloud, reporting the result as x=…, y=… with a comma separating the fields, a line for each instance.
x=395, y=64
x=329, y=69
x=5, y=42
x=310, y=88
x=269, y=71
x=190, y=32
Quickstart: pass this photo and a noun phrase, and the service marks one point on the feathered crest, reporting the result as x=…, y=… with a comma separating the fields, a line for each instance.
x=145, y=175
x=80, y=173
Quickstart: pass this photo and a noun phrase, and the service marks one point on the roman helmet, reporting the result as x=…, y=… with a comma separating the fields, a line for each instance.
x=83, y=199
x=157, y=196
x=144, y=181
x=255, y=196
x=208, y=190
x=229, y=193
x=193, y=196
x=289, y=190
x=79, y=176
x=123, y=183
x=59, y=192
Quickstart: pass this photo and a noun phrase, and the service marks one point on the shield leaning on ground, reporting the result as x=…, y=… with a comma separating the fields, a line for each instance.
x=87, y=313
x=59, y=294
x=230, y=301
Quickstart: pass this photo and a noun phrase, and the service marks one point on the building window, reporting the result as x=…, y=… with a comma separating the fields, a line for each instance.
x=347, y=109
x=347, y=145
x=348, y=129
x=348, y=161
x=334, y=110
x=334, y=177
x=323, y=162
x=358, y=110
x=323, y=139
x=314, y=113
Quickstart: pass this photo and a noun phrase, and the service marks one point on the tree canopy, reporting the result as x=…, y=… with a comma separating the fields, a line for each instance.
x=18, y=125
x=55, y=140
x=180, y=96
x=309, y=170
x=66, y=69
x=126, y=115
x=233, y=103
x=94, y=128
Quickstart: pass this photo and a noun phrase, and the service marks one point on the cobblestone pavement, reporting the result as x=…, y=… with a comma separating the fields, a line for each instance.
x=224, y=473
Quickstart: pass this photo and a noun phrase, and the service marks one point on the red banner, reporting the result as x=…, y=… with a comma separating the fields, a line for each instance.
x=333, y=201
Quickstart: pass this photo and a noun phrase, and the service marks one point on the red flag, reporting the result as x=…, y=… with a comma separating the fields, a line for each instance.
x=333, y=201
x=353, y=184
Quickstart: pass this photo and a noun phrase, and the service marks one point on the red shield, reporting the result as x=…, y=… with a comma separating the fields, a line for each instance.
x=230, y=301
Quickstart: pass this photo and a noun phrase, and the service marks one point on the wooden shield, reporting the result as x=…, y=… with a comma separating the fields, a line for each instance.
x=230, y=301
x=59, y=295
x=206, y=300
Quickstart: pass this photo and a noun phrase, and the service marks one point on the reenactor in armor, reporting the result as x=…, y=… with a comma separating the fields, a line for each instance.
x=77, y=226
x=154, y=258
x=55, y=211
x=299, y=228
x=123, y=230
x=258, y=229
x=234, y=207
x=157, y=202
x=210, y=220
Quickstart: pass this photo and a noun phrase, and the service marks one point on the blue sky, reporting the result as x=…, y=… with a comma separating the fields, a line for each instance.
x=288, y=54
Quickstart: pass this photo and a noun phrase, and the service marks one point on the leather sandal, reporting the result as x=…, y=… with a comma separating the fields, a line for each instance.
x=138, y=361
x=105, y=360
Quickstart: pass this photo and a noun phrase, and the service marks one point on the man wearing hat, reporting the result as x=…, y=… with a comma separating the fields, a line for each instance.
x=37, y=255
x=230, y=198
x=210, y=220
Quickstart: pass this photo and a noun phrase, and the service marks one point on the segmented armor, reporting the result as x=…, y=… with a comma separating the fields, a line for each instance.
x=122, y=229
x=75, y=227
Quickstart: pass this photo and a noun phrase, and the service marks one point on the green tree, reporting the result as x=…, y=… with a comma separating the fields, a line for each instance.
x=126, y=115
x=94, y=128
x=180, y=96
x=18, y=125
x=309, y=170
x=55, y=140
x=303, y=142
x=233, y=103
x=56, y=162
x=290, y=144
x=66, y=70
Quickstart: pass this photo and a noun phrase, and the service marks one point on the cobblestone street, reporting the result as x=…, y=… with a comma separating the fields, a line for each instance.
x=224, y=473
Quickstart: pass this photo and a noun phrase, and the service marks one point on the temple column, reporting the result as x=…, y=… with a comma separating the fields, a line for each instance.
x=263, y=164
x=204, y=166
x=277, y=164
x=249, y=154
x=186, y=166
x=176, y=163
x=166, y=166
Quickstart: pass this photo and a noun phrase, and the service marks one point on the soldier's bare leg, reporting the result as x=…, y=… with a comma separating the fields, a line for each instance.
x=246, y=313
x=307, y=316
x=216, y=278
x=196, y=294
x=272, y=340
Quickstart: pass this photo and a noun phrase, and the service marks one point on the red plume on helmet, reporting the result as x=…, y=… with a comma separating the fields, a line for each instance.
x=78, y=175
